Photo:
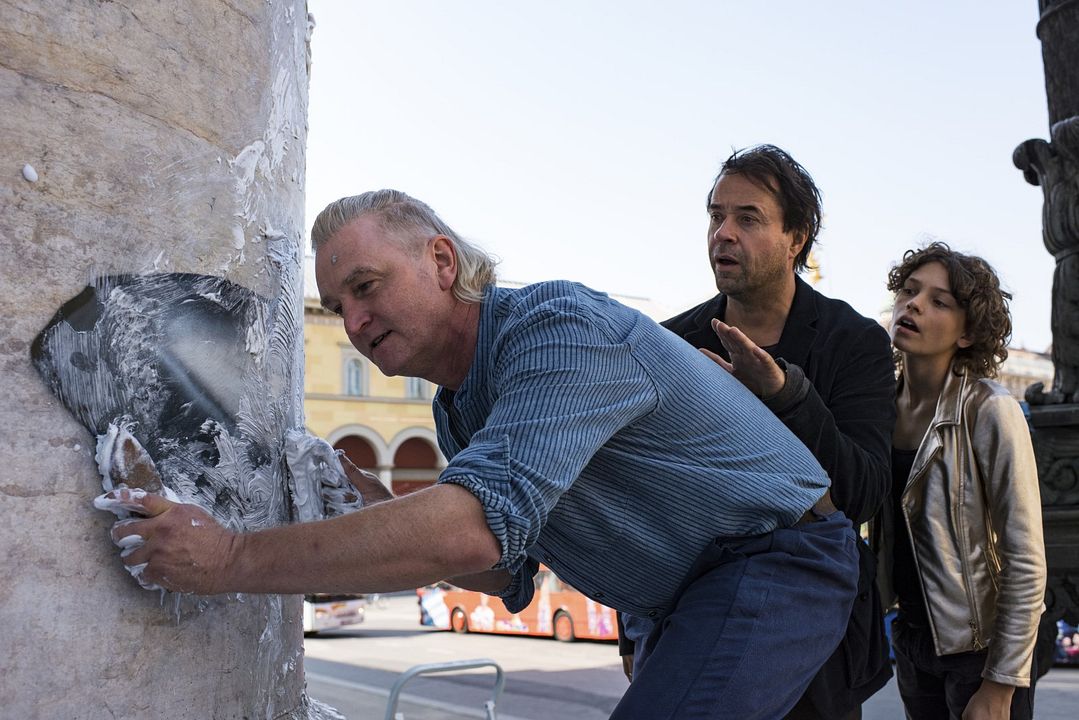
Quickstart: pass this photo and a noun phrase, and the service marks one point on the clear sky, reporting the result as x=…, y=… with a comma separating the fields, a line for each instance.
x=578, y=139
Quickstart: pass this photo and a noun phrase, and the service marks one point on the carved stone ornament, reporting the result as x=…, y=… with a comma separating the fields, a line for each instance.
x=1055, y=167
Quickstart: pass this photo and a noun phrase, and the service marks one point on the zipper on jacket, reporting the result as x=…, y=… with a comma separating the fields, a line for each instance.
x=964, y=553
x=977, y=643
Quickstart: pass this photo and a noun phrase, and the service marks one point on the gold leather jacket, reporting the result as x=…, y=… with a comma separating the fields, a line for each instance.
x=973, y=511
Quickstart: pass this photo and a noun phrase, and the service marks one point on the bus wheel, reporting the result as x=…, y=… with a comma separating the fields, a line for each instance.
x=459, y=621
x=563, y=627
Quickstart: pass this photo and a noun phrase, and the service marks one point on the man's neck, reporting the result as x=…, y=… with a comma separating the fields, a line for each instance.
x=461, y=347
x=762, y=313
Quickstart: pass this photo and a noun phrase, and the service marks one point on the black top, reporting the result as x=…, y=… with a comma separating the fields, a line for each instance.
x=908, y=585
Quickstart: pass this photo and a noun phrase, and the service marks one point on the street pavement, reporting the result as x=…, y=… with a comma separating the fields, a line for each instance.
x=353, y=669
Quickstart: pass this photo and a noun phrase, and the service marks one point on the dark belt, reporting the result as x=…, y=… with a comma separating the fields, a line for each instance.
x=820, y=510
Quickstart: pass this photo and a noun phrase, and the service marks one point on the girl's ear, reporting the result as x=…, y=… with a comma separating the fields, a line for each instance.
x=964, y=341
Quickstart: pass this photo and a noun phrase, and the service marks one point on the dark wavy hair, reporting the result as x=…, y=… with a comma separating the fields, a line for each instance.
x=976, y=288
x=774, y=170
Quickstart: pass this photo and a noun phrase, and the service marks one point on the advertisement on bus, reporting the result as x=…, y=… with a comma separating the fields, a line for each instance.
x=557, y=611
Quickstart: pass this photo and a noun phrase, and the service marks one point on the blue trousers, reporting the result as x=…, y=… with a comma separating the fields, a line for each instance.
x=753, y=622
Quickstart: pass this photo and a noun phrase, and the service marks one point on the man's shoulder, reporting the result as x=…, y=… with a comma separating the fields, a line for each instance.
x=695, y=316
x=553, y=294
x=837, y=313
x=562, y=302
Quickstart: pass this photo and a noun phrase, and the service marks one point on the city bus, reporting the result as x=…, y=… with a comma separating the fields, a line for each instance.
x=557, y=611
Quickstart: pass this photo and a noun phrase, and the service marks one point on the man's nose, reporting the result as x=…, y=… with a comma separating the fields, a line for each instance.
x=723, y=232
x=355, y=318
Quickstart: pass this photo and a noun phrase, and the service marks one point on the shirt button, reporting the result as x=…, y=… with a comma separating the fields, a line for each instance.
x=547, y=559
x=597, y=595
x=652, y=613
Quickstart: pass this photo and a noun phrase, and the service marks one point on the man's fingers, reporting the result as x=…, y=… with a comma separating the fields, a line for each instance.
x=125, y=501
x=733, y=339
x=722, y=331
x=129, y=533
x=149, y=503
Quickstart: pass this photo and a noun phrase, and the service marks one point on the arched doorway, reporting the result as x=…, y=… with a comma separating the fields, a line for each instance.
x=415, y=466
x=359, y=451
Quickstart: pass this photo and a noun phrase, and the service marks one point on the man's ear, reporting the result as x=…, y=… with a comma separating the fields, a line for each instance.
x=445, y=256
x=798, y=241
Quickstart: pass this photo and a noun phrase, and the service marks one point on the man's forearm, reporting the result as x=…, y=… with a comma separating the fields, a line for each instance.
x=396, y=545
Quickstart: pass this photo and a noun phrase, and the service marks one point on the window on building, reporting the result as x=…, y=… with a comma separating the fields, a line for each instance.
x=417, y=388
x=355, y=377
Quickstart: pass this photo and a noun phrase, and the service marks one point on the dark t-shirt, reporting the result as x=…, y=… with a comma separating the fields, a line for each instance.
x=908, y=585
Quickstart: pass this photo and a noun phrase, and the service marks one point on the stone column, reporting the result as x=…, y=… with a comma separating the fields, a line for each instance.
x=1054, y=166
x=138, y=138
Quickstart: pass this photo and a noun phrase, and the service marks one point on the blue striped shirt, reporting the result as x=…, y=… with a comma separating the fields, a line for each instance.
x=607, y=448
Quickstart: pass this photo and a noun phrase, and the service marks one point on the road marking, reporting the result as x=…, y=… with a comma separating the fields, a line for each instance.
x=406, y=698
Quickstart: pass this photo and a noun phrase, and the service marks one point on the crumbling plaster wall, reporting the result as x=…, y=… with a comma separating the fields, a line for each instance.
x=163, y=137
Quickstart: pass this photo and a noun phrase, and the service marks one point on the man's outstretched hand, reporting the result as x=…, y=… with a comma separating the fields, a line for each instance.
x=752, y=366
x=176, y=546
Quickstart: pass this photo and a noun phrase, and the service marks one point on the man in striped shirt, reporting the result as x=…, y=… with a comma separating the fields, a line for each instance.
x=579, y=434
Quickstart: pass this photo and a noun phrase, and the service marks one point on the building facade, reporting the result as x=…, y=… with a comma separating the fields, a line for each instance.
x=1023, y=368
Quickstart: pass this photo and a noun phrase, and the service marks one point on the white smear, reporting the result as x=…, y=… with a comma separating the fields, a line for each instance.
x=77, y=447
x=129, y=543
x=320, y=487
x=29, y=173
x=195, y=523
x=121, y=505
x=244, y=164
x=238, y=240
x=254, y=339
x=103, y=455
x=136, y=572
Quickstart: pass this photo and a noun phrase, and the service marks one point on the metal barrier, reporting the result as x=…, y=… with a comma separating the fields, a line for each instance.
x=431, y=668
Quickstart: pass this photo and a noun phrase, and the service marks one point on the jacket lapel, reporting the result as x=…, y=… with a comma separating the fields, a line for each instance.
x=949, y=409
x=800, y=330
x=701, y=334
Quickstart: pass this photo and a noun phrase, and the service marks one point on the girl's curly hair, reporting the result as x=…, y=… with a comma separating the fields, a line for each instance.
x=976, y=287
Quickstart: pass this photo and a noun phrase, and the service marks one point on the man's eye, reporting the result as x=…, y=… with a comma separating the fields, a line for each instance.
x=748, y=219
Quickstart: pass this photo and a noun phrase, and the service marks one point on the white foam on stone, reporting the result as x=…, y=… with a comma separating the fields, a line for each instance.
x=320, y=488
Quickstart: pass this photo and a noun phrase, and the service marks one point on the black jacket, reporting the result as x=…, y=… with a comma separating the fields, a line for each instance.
x=839, y=399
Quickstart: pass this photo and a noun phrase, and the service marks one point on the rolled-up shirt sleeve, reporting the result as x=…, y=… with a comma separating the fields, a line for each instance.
x=559, y=384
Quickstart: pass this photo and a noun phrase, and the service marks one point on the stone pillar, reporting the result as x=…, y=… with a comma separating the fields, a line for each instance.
x=1054, y=166
x=138, y=138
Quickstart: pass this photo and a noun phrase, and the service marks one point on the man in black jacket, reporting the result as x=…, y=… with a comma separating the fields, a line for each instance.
x=822, y=368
